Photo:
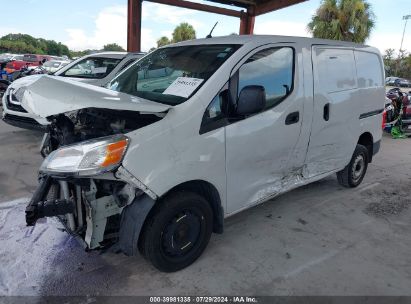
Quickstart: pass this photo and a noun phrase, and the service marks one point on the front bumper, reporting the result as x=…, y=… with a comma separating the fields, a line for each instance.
x=17, y=116
x=99, y=211
x=39, y=207
x=23, y=122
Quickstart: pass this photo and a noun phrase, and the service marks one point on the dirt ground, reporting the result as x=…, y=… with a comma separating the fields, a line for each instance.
x=321, y=239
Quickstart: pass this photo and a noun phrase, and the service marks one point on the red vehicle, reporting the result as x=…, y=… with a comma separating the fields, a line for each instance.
x=28, y=60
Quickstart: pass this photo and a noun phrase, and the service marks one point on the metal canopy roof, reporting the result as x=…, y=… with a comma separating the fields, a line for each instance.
x=260, y=6
x=246, y=10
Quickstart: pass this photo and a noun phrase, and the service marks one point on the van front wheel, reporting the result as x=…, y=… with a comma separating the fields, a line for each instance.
x=177, y=231
x=354, y=172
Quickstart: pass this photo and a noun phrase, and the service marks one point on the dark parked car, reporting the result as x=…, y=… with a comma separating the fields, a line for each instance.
x=392, y=81
x=405, y=83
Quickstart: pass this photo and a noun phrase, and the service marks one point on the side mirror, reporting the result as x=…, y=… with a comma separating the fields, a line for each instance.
x=251, y=100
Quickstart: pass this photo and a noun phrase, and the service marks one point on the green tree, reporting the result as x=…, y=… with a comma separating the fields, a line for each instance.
x=75, y=54
x=347, y=20
x=163, y=41
x=389, y=62
x=21, y=43
x=184, y=31
x=403, y=65
x=113, y=47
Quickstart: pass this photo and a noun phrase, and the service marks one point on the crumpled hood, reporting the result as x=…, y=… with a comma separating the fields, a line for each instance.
x=45, y=95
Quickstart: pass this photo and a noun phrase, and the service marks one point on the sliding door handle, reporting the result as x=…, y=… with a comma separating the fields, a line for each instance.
x=326, y=114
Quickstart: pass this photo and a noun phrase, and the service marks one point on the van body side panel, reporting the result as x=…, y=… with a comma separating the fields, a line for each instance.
x=370, y=73
x=337, y=106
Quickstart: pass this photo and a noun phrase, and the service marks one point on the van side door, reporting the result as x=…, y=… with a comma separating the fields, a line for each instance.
x=260, y=149
x=335, y=125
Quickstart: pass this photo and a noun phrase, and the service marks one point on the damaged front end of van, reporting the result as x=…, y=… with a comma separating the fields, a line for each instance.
x=82, y=181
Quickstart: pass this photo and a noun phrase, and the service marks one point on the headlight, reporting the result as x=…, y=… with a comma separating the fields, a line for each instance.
x=87, y=158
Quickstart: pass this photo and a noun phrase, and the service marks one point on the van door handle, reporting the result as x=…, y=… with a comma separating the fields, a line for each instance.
x=292, y=118
x=326, y=114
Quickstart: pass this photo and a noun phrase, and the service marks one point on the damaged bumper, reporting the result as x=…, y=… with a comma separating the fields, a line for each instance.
x=100, y=210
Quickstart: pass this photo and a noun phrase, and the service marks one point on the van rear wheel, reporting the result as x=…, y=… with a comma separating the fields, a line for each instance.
x=354, y=172
x=177, y=231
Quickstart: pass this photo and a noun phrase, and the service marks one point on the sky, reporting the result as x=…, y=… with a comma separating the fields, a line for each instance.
x=89, y=24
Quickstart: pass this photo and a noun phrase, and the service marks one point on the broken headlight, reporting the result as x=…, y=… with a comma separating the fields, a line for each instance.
x=87, y=158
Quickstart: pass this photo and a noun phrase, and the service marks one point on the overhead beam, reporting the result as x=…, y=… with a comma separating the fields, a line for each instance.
x=134, y=26
x=247, y=18
x=273, y=5
x=199, y=7
x=241, y=3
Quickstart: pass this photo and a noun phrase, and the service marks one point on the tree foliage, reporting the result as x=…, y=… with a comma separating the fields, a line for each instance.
x=26, y=44
x=398, y=66
x=347, y=20
x=163, y=41
x=184, y=31
x=113, y=47
x=389, y=61
x=22, y=43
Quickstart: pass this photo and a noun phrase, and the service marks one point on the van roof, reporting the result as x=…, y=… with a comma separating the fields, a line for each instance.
x=244, y=39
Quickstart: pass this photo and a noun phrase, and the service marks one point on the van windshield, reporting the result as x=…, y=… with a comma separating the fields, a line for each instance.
x=171, y=75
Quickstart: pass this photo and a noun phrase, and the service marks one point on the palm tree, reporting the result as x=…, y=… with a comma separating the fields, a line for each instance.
x=348, y=20
x=184, y=31
x=163, y=41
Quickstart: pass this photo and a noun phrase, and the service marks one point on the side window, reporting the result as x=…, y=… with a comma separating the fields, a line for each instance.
x=271, y=68
x=214, y=116
x=214, y=112
x=336, y=70
x=369, y=70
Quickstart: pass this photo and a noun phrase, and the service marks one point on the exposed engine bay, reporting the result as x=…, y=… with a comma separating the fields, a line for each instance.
x=84, y=124
x=89, y=207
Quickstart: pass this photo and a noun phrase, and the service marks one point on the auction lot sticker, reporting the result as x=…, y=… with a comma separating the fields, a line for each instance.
x=183, y=86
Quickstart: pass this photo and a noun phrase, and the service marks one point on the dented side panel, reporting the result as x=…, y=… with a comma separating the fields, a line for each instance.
x=261, y=149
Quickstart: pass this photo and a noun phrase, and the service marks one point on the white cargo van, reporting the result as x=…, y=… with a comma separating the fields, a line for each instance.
x=197, y=131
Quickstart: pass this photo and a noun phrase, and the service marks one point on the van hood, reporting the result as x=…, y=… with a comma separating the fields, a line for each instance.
x=45, y=96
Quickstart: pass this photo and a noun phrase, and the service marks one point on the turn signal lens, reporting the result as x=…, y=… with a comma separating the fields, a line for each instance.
x=114, y=153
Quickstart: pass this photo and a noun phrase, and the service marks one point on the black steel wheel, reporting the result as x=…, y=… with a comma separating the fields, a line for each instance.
x=354, y=172
x=177, y=231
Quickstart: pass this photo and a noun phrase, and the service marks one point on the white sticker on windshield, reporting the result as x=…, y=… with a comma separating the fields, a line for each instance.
x=183, y=86
x=100, y=70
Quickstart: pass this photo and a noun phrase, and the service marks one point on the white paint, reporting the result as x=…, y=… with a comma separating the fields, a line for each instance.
x=371, y=186
x=311, y=263
x=47, y=95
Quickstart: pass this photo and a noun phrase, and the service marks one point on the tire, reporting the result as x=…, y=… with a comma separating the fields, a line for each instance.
x=3, y=87
x=353, y=174
x=177, y=231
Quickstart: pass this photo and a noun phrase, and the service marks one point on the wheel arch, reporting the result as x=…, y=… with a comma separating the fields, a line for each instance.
x=366, y=139
x=209, y=192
